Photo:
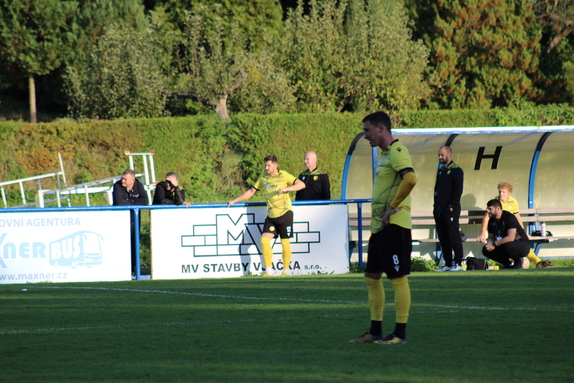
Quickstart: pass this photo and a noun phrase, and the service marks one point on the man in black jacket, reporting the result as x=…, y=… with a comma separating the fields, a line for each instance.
x=507, y=241
x=129, y=191
x=168, y=192
x=447, y=193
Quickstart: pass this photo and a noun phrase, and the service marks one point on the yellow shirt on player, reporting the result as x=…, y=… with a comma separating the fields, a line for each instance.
x=277, y=205
x=394, y=158
x=511, y=205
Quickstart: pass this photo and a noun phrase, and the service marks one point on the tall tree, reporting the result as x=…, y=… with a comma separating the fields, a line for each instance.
x=353, y=55
x=556, y=19
x=254, y=19
x=122, y=78
x=484, y=52
x=39, y=37
x=559, y=16
x=35, y=36
x=211, y=70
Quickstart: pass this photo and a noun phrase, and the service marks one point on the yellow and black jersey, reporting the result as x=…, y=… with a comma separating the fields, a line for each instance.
x=511, y=204
x=277, y=205
x=317, y=186
x=395, y=160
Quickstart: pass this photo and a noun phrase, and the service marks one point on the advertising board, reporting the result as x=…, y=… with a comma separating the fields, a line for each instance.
x=76, y=246
x=225, y=242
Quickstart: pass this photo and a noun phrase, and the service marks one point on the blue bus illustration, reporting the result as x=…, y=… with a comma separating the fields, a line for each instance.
x=82, y=248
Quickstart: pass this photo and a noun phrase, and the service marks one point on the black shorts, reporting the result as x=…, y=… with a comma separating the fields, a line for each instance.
x=390, y=252
x=280, y=226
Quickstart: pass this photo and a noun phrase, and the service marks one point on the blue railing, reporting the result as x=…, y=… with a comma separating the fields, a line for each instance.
x=137, y=209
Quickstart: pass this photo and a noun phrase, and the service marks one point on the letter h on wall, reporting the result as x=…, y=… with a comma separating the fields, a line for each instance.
x=480, y=156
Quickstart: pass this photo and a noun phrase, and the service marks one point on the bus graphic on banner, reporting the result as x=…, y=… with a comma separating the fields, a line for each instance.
x=82, y=248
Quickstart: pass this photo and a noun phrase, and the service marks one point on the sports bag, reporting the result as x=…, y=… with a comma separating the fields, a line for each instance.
x=476, y=264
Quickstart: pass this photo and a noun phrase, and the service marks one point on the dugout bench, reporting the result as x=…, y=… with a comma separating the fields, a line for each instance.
x=531, y=218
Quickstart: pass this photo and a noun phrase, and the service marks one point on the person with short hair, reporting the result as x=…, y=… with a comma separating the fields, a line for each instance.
x=317, y=185
x=390, y=244
x=275, y=185
x=129, y=190
x=507, y=241
x=510, y=204
x=168, y=192
x=446, y=210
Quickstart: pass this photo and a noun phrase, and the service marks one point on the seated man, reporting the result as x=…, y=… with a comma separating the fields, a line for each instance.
x=168, y=192
x=507, y=241
x=510, y=204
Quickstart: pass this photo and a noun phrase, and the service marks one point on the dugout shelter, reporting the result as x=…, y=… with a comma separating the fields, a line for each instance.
x=537, y=161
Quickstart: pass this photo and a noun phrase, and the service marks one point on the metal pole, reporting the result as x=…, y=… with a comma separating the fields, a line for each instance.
x=137, y=240
x=62, y=168
x=360, y=230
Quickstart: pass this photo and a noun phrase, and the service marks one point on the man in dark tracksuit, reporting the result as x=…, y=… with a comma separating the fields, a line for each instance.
x=447, y=192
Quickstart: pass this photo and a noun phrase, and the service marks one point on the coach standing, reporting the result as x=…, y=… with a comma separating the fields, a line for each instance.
x=447, y=192
x=390, y=244
x=317, y=185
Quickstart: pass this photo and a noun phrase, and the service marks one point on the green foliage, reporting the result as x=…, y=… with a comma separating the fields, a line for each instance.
x=217, y=159
x=196, y=149
x=123, y=77
x=40, y=37
x=421, y=264
x=33, y=33
x=342, y=56
x=212, y=69
x=384, y=66
x=484, y=52
x=254, y=18
x=267, y=88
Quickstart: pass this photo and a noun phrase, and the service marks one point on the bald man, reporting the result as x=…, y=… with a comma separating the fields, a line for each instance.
x=317, y=185
x=446, y=210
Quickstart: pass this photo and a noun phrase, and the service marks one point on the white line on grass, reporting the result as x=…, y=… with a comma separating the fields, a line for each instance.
x=452, y=307
x=449, y=308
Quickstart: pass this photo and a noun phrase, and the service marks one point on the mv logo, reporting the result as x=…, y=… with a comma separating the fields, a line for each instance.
x=242, y=236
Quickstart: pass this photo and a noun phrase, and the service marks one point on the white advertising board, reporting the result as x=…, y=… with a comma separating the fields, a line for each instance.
x=225, y=242
x=75, y=246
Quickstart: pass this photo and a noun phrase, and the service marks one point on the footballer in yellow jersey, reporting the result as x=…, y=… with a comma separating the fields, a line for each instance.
x=275, y=185
x=390, y=244
x=277, y=204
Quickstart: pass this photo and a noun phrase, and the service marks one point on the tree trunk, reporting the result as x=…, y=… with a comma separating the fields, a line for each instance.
x=32, y=88
x=221, y=108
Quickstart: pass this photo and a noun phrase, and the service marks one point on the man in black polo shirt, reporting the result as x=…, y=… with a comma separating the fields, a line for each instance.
x=317, y=185
x=507, y=241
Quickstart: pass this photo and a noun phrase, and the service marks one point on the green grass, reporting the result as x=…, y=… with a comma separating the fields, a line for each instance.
x=479, y=326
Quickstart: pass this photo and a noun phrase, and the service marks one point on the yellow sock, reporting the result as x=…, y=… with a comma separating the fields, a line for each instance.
x=286, y=245
x=402, y=298
x=376, y=298
x=533, y=258
x=267, y=252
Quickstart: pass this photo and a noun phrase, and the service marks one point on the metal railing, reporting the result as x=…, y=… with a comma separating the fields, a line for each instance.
x=60, y=176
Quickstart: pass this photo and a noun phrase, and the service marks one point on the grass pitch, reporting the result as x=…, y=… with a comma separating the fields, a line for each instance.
x=474, y=326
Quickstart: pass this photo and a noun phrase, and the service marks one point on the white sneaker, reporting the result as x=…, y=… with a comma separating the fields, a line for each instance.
x=456, y=268
x=444, y=268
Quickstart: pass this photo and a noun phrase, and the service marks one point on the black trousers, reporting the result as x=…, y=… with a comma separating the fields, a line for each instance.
x=508, y=251
x=447, y=228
